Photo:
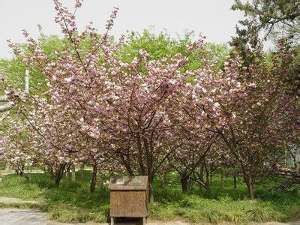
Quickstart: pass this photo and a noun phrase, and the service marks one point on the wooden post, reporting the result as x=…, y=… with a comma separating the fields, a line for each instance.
x=112, y=221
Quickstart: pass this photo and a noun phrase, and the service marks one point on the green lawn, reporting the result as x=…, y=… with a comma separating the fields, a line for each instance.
x=73, y=201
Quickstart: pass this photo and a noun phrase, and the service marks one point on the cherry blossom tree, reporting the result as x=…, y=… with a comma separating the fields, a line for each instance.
x=249, y=121
x=17, y=145
x=123, y=103
x=105, y=112
x=191, y=133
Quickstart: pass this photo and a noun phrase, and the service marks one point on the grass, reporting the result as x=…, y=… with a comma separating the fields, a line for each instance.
x=72, y=201
x=226, y=204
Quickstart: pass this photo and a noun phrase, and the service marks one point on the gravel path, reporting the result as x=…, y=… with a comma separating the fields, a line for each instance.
x=22, y=216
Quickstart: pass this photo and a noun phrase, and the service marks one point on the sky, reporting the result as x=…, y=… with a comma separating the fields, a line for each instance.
x=211, y=18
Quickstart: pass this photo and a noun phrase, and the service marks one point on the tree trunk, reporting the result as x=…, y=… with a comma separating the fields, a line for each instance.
x=201, y=174
x=126, y=163
x=140, y=155
x=150, y=194
x=22, y=170
x=207, y=178
x=163, y=180
x=59, y=174
x=296, y=157
x=82, y=171
x=73, y=172
x=297, y=167
x=68, y=171
x=50, y=171
x=222, y=179
x=234, y=181
x=94, y=179
x=250, y=188
x=207, y=187
x=207, y=181
x=184, y=184
x=8, y=167
x=200, y=187
x=297, y=162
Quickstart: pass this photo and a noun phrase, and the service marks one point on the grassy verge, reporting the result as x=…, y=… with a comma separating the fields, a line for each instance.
x=226, y=204
x=73, y=202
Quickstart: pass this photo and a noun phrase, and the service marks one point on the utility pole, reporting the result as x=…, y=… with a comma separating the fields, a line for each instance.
x=27, y=81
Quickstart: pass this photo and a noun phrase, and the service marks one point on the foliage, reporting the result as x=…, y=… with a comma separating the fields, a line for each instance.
x=162, y=45
x=279, y=17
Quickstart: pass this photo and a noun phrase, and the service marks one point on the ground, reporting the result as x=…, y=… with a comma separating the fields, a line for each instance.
x=33, y=217
x=72, y=202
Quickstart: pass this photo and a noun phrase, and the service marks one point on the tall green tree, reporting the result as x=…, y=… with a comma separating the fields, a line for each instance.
x=274, y=18
x=277, y=20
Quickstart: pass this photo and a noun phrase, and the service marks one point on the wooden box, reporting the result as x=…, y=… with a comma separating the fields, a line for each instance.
x=129, y=197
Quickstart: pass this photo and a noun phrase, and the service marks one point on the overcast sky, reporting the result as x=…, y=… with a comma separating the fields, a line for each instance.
x=212, y=18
